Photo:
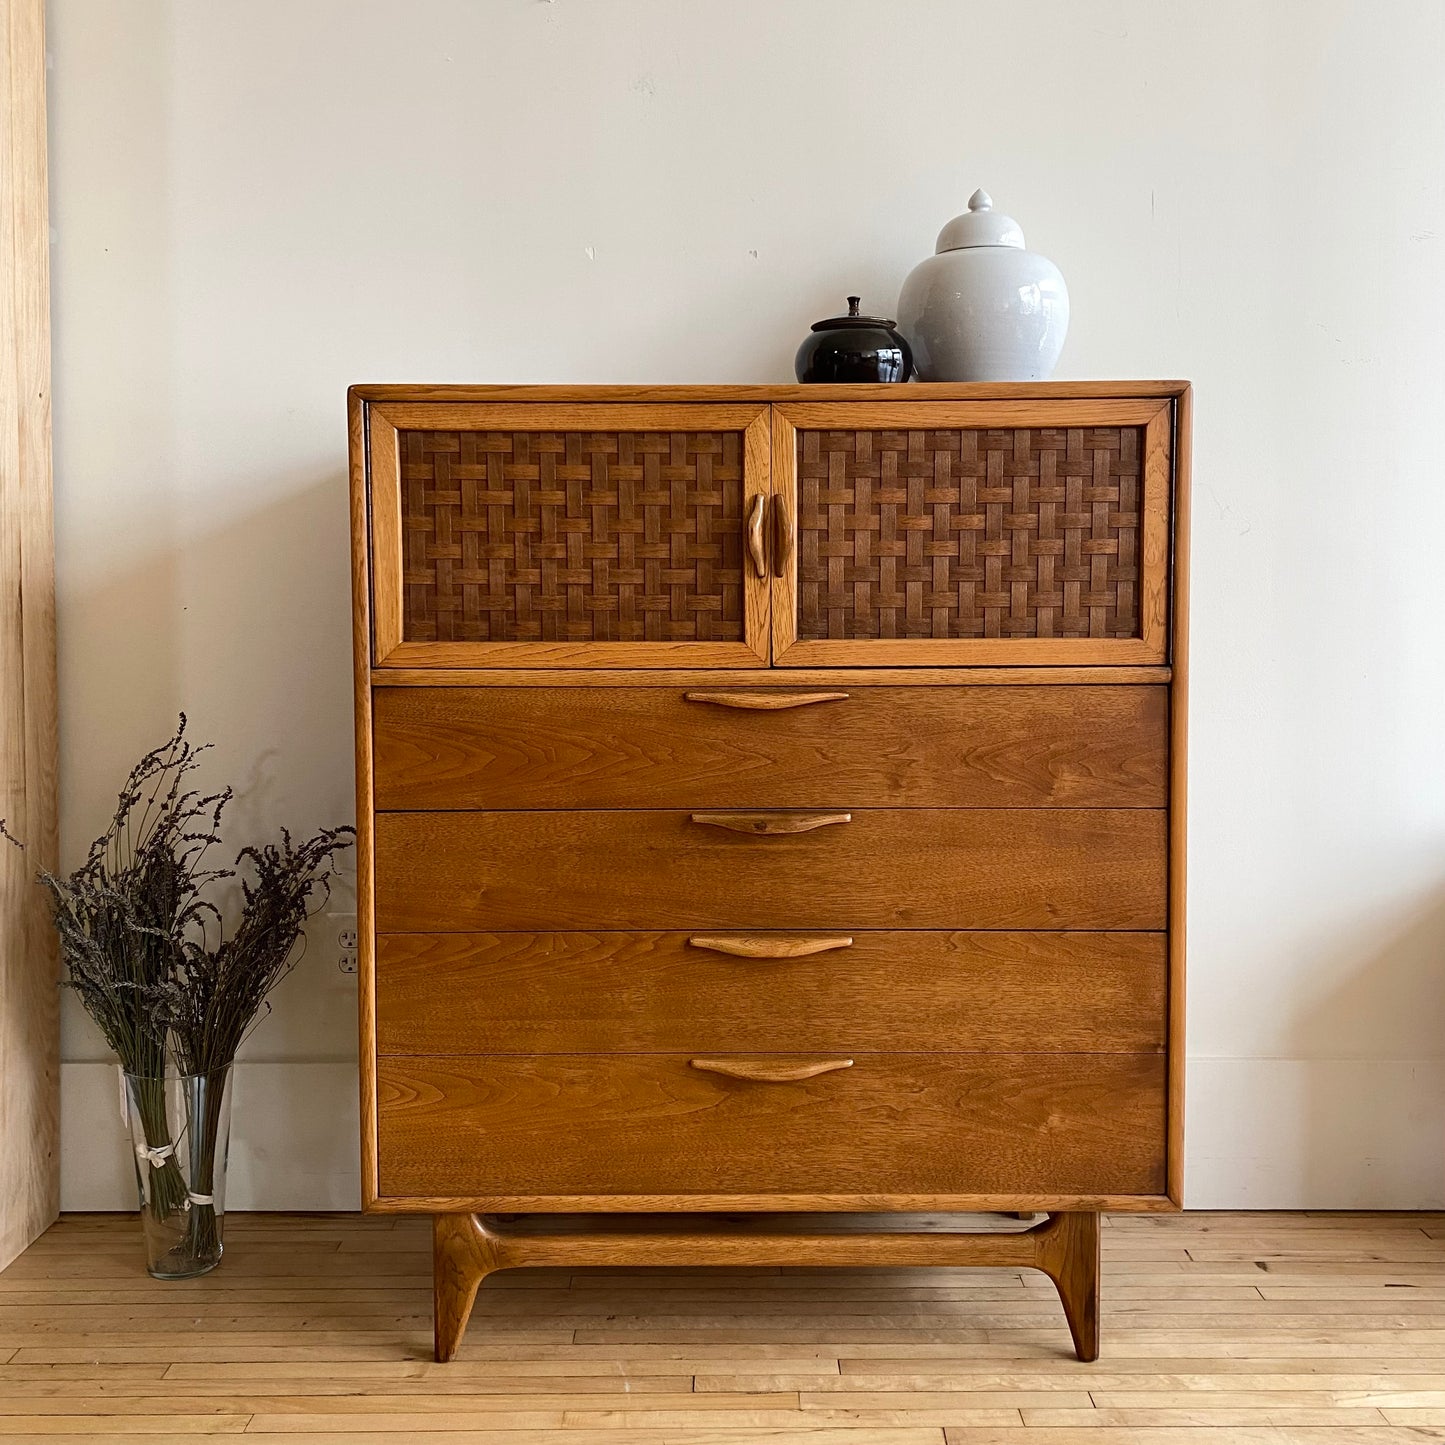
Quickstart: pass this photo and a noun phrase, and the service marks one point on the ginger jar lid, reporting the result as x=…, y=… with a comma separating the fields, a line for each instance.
x=980, y=225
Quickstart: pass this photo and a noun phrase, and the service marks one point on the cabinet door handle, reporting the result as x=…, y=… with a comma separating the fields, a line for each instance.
x=765, y=701
x=782, y=537
x=771, y=1071
x=770, y=824
x=751, y=946
x=757, y=508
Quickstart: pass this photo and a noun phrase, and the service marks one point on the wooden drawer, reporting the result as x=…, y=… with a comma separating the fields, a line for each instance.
x=1064, y=868
x=560, y=993
x=962, y=747
x=892, y=1124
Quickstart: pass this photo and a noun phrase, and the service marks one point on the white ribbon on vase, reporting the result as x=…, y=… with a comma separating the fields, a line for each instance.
x=154, y=1157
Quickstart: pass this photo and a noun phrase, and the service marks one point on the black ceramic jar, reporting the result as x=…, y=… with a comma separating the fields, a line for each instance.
x=854, y=348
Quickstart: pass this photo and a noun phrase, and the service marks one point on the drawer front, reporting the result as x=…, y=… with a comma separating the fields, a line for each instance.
x=892, y=1124
x=1066, y=868
x=561, y=993
x=964, y=747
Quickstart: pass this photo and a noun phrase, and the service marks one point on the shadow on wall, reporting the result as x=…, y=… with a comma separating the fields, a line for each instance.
x=1345, y=1109
x=246, y=628
x=1373, y=1126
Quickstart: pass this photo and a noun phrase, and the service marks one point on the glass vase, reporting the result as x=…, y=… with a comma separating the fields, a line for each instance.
x=180, y=1129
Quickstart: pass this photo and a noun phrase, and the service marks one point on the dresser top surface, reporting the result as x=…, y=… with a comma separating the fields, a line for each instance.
x=763, y=392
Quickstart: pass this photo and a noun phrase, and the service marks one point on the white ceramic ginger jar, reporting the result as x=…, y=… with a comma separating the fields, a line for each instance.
x=983, y=308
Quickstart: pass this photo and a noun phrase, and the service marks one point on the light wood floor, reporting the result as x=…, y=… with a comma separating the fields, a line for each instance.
x=1219, y=1329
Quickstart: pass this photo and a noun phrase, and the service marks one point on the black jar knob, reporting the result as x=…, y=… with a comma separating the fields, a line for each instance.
x=854, y=348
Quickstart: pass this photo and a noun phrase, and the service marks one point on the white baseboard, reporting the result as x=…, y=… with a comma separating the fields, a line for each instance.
x=1262, y=1134
x=1315, y=1134
x=294, y=1133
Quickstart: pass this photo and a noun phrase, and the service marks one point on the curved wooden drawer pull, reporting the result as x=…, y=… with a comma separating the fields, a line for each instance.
x=771, y=824
x=782, y=537
x=751, y=946
x=765, y=701
x=771, y=1071
x=756, y=510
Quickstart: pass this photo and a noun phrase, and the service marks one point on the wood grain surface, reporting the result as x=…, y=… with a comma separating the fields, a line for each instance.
x=796, y=636
x=1179, y=796
x=468, y=1247
x=1110, y=675
x=568, y=747
x=317, y=1330
x=457, y=993
x=1014, y=1124
x=1051, y=391
x=1064, y=868
x=589, y=586
x=29, y=962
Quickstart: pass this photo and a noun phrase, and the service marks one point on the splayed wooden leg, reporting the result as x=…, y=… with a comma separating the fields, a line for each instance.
x=469, y=1247
x=463, y=1255
x=1069, y=1255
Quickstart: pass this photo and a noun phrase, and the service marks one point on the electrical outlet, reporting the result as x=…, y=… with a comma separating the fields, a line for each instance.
x=344, y=941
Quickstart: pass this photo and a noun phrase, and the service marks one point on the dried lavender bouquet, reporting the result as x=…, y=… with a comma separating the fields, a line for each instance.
x=167, y=972
x=216, y=988
x=122, y=917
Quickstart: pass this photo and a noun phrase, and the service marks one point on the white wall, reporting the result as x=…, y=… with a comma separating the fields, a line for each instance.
x=256, y=204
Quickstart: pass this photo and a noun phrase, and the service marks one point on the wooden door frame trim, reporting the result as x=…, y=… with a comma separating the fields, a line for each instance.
x=29, y=999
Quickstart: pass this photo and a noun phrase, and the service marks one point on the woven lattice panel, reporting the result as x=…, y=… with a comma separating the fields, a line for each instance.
x=514, y=536
x=978, y=533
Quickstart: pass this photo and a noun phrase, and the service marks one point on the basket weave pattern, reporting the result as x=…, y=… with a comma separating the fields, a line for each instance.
x=969, y=533
x=514, y=536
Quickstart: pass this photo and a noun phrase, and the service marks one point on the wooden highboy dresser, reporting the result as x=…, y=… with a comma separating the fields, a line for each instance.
x=771, y=810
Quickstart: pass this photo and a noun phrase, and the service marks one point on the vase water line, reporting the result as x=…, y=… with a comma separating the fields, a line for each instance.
x=180, y=1128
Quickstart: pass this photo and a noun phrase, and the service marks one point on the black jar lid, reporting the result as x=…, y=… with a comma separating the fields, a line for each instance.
x=838, y=323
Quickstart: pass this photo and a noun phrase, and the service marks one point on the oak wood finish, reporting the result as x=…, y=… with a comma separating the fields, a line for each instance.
x=361, y=621
x=764, y=701
x=966, y=532
x=503, y=511
x=568, y=747
x=771, y=825
x=29, y=966
x=464, y=677
x=1047, y=391
x=851, y=524
x=573, y=535
x=757, y=554
x=468, y=1247
x=1179, y=792
x=967, y=996
x=1064, y=868
x=539, y=993
x=463, y=1255
x=499, y=1126
x=772, y=1070
x=755, y=946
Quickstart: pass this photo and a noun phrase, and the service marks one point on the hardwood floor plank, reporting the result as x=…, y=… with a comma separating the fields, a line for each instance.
x=760, y=1435
x=36, y=1427
x=1228, y=1329
x=1202, y=1416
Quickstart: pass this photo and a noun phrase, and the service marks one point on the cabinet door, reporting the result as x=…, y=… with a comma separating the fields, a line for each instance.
x=1000, y=532
x=604, y=535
